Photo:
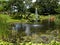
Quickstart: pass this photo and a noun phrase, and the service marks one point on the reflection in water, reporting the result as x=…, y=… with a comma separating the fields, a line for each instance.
x=13, y=28
x=16, y=27
x=27, y=30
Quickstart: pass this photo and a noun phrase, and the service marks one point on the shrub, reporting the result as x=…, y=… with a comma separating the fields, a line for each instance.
x=57, y=21
x=1, y=8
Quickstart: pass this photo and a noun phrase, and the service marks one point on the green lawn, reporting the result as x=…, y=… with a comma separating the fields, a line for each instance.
x=8, y=18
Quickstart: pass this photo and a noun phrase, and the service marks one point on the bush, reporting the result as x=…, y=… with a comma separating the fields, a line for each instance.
x=1, y=8
x=57, y=21
x=58, y=9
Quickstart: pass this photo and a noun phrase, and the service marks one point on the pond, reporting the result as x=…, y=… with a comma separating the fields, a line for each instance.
x=35, y=33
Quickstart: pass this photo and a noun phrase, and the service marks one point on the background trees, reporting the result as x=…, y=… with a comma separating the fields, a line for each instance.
x=48, y=6
x=44, y=6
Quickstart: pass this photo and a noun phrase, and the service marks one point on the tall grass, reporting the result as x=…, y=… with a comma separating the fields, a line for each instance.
x=3, y=25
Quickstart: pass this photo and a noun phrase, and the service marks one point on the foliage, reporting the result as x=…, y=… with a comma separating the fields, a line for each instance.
x=31, y=18
x=5, y=43
x=30, y=43
x=57, y=21
x=4, y=5
x=3, y=22
x=1, y=7
x=48, y=6
x=58, y=9
x=3, y=26
x=44, y=7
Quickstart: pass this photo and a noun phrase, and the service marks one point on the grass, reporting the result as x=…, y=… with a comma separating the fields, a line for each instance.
x=4, y=24
x=8, y=18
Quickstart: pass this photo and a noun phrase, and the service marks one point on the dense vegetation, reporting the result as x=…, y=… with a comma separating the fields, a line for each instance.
x=23, y=11
x=30, y=43
x=44, y=7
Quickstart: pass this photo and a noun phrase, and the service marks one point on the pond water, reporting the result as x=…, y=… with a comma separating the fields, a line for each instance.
x=35, y=33
x=26, y=27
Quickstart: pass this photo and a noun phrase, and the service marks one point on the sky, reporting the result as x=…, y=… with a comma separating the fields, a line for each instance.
x=33, y=1
x=59, y=2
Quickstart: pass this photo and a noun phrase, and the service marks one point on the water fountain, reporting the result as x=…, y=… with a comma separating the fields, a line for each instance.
x=36, y=21
x=36, y=25
x=28, y=26
x=27, y=30
x=17, y=26
x=36, y=14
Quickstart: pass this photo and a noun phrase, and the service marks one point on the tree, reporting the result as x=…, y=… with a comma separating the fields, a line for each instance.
x=45, y=6
x=48, y=6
